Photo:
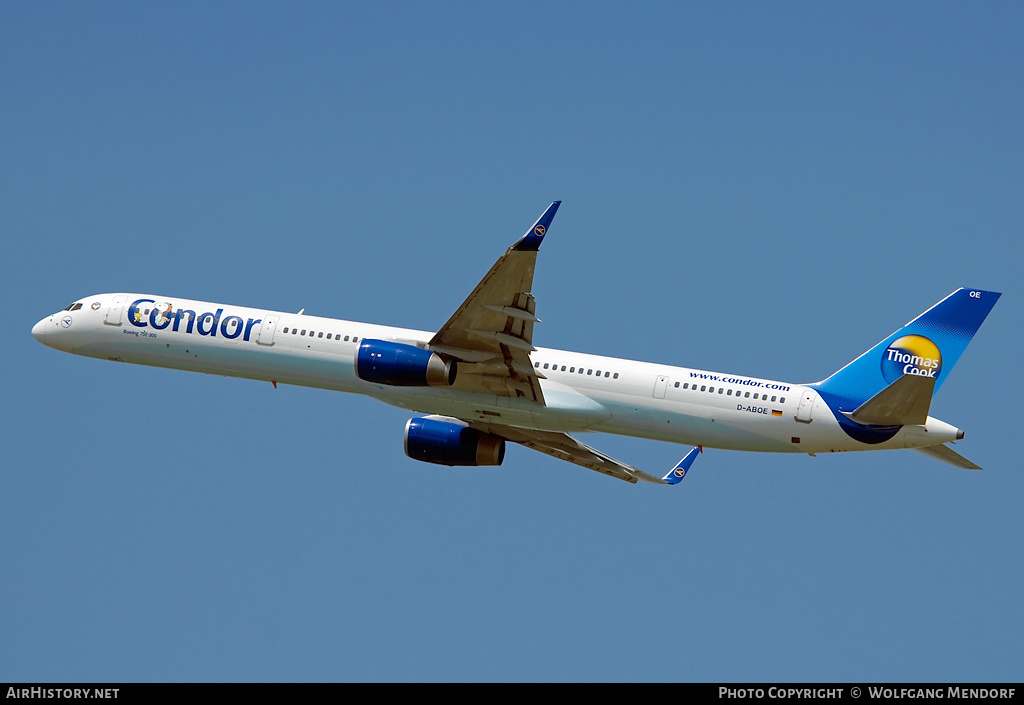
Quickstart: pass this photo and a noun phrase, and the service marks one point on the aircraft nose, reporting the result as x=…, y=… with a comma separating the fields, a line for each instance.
x=39, y=330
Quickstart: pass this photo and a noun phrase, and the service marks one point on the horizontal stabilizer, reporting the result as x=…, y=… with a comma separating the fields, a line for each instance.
x=948, y=455
x=905, y=402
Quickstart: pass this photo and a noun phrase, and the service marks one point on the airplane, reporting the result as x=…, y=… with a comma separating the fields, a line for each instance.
x=481, y=382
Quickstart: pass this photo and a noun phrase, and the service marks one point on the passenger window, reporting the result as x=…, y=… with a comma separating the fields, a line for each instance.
x=747, y=395
x=702, y=387
x=320, y=335
x=711, y=390
x=721, y=389
x=355, y=338
x=346, y=338
x=328, y=336
x=295, y=331
x=686, y=385
x=545, y=365
x=782, y=400
x=563, y=368
x=286, y=329
x=590, y=371
x=572, y=369
x=599, y=373
x=677, y=385
x=303, y=331
x=729, y=393
x=773, y=397
x=615, y=376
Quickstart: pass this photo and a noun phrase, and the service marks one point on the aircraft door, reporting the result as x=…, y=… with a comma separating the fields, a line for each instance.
x=267, y=330
x=803, y=412
x=660, y=385
x=114, y=310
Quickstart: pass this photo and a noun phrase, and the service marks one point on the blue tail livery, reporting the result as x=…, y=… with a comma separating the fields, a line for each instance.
x=871, y=396
x=927, y=346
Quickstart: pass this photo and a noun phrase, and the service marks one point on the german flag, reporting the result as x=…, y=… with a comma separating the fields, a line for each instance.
x=776, y=412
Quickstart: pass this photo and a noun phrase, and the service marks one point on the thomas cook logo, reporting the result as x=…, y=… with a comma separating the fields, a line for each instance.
x=911, y=355
x=539, y=231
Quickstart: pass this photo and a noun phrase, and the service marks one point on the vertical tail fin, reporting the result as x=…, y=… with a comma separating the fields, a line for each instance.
x=927, y=346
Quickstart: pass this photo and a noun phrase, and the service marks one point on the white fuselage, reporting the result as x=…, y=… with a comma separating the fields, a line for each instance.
x=582, y=392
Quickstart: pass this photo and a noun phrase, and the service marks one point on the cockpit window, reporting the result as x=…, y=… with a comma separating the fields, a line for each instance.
x=73, y=307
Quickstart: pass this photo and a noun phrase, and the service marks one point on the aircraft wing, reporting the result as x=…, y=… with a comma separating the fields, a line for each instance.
x=565, y=447
x=491, y=333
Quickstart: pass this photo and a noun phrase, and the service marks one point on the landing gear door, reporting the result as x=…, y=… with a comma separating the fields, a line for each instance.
x=114, y=310
x=803, y=411
x=267, y=330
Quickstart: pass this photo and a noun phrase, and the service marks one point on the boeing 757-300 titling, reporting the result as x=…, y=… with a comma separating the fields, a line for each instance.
x=481, y=381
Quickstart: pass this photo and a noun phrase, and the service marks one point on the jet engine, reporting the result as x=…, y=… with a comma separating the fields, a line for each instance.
x=445, y=442
x=401, y=365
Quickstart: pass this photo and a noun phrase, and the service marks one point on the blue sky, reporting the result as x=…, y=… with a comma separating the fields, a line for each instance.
x=759, y=189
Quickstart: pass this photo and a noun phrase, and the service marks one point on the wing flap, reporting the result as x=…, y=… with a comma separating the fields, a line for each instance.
x=512, y=341
x=514, y=312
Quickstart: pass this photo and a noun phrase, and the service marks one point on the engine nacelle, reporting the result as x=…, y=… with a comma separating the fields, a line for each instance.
x=449, y=443
x=400, y=365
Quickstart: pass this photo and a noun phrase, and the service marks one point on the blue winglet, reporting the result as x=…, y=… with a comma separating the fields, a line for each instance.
x=530, y=242
x=679, y=471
